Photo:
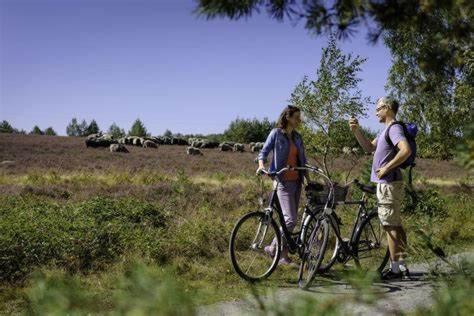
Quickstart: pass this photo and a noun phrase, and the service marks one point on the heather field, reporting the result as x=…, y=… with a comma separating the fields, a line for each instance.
x=87, y=231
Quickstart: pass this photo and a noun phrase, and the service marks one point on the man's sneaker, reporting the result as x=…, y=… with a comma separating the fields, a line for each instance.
x=405, y=273
x=390, y=275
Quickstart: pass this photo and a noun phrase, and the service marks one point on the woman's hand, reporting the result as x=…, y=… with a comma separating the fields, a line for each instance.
x=261, y=166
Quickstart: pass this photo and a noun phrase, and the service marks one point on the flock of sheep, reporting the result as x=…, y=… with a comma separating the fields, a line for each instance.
x=194, y=144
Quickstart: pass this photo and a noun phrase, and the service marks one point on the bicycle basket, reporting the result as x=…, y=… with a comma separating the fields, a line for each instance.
x=317, y=193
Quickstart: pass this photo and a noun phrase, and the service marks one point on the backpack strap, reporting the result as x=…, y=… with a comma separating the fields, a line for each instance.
x=387, y=133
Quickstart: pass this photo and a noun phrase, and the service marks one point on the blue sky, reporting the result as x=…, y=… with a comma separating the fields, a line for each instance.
x=118, y=60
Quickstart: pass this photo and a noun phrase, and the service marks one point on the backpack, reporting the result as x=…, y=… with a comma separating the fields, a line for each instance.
x=410, y=130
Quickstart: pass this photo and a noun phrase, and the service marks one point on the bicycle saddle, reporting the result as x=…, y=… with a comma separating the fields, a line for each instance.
x=371, y=189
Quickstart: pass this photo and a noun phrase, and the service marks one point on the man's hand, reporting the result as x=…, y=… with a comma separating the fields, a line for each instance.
x=381, y=172
x=353, y=124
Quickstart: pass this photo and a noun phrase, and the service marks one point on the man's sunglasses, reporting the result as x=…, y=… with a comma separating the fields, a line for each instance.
x=380, y=108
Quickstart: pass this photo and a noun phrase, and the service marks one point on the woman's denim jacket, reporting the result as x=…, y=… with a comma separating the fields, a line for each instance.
x=278, y=141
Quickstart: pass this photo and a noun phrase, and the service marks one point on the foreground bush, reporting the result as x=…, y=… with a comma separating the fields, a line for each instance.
x=141, y=290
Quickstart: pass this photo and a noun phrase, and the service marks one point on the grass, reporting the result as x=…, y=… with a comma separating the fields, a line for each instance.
x=100, y=226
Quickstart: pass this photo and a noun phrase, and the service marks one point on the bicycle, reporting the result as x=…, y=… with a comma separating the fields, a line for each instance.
x=257, y=229
x=366, y=244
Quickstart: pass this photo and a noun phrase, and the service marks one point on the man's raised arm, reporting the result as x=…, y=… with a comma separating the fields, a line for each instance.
x=366, y=144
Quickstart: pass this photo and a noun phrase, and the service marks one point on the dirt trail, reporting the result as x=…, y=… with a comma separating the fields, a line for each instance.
x=396, y=296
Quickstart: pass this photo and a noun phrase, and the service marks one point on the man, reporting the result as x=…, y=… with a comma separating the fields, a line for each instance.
x=387, y=175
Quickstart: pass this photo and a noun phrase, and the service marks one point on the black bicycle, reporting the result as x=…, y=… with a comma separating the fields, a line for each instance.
x=367, y=244
x=258, y=229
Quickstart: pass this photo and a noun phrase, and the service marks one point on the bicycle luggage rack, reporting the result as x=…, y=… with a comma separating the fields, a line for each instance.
x=317, y=193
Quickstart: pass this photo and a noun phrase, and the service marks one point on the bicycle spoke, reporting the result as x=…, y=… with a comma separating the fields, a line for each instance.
x=371, y=246
x=249, y=238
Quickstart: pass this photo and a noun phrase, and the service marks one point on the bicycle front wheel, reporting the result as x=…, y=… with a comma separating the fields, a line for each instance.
x=314, y=248
x=371, y=245
x=249, y=237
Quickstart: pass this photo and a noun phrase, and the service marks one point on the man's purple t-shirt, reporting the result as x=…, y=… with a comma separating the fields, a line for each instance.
x=384, y=153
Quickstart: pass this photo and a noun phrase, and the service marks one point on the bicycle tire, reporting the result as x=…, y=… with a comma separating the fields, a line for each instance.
x=331, y=244
x=381, y=252
x=318, y=237
x=260, y=216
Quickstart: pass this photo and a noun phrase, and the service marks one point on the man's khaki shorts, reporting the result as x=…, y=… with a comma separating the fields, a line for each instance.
x=390, y=196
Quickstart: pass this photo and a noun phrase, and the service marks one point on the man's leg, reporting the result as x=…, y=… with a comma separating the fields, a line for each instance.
x=390, y=196
x=397, y=246
x=396, y=242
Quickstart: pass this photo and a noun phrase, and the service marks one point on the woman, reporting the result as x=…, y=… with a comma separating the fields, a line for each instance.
x=288, y=149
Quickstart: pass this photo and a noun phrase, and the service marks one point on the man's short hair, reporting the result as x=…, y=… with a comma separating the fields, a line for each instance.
x=390, y=102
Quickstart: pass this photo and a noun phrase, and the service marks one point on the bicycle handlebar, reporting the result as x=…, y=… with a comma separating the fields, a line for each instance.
x=306, y=167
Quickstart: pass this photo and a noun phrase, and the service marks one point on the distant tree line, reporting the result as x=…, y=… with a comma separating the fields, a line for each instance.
x=239, y=130
x=6, y=127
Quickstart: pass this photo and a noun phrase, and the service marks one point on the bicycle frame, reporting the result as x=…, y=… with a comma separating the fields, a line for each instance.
x=362, y=213
x=274, y=205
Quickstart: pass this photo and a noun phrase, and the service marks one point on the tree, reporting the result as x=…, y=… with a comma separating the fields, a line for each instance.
x=138, y=129
x=82, y=128
x=168, y=133
x=248, y=130
x=36, y=131
x=5, y=127
x=50, y=131
x=378, y=16
x=21, y=131
x=465, y=150
x=116, y=131
x=438, y=99
x=328, y=101
x=92, y=128
x=73, y=128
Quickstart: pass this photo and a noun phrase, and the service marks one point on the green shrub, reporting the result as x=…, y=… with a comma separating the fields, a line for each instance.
x=202, y=235
x=424, y=202
x=80, y=236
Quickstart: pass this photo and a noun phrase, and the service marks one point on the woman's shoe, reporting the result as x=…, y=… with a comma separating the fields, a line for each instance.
x=287, y=262
x=269, y=250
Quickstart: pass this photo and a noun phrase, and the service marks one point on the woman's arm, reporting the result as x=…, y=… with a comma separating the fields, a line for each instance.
x=306, y=173
x=267, y=147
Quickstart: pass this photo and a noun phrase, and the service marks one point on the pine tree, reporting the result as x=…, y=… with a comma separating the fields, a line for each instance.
x=5, y=127
x=93, y=128
x=168, y=133
x=116, y=131
x=73, y=128
x=138, y=129
x=36, y=131
x=50, y=131
x=82, y=128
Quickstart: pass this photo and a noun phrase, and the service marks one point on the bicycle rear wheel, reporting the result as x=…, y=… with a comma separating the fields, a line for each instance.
x=371, y=245
x=315, y=246
x=332, y=248
x=249, y=237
